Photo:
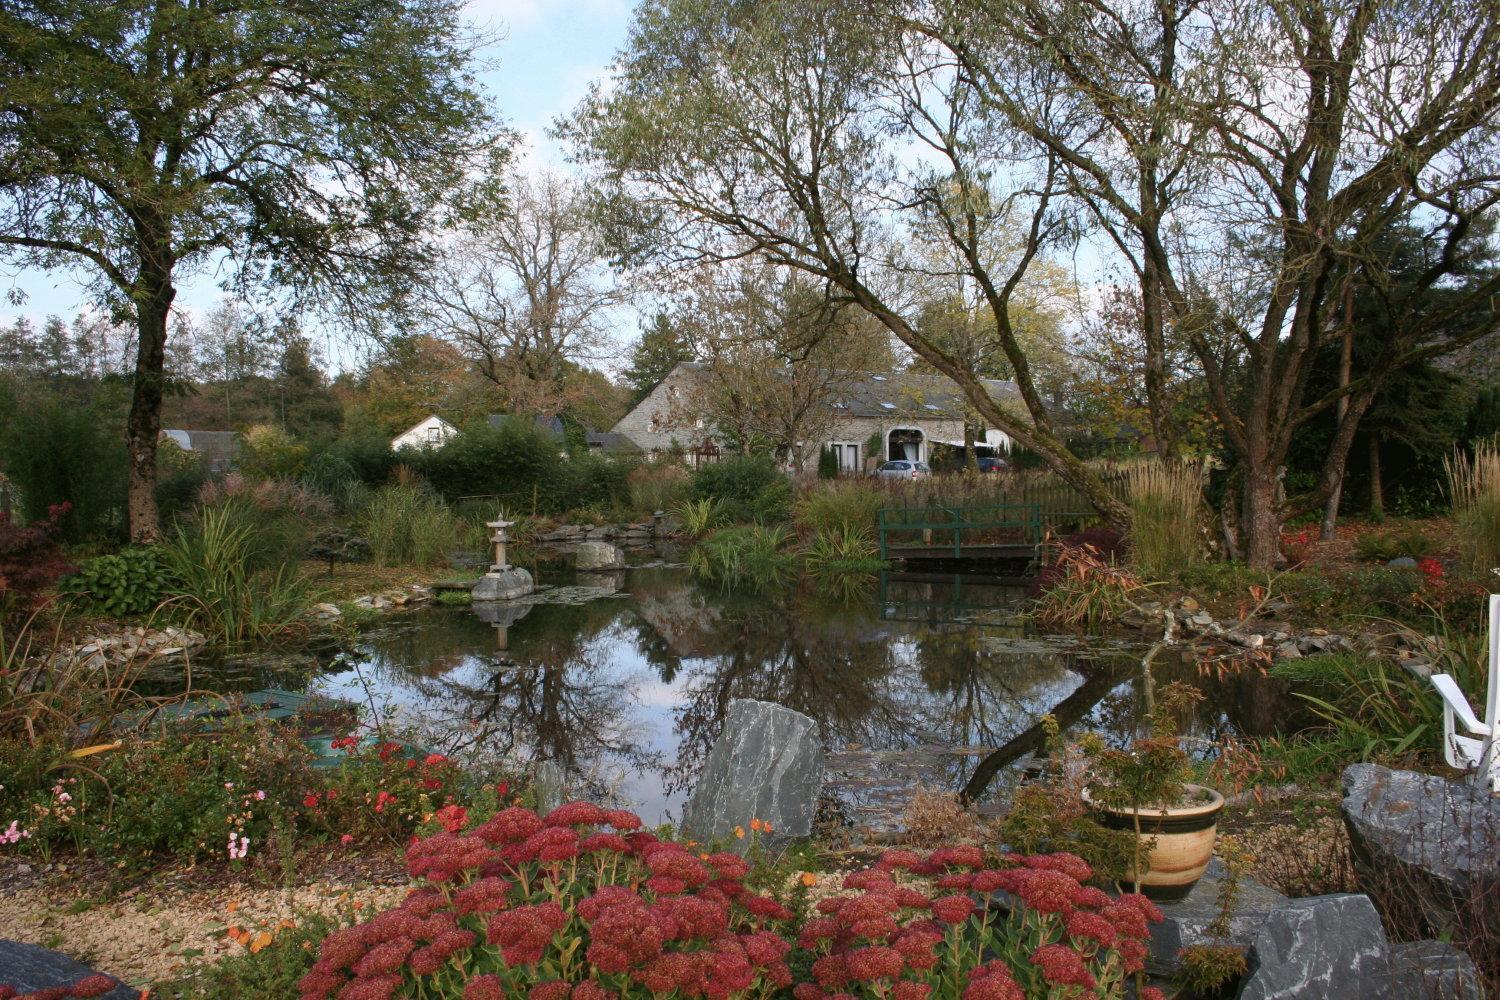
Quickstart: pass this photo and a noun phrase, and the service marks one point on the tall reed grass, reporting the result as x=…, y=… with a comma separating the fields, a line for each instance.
x=839, y=505
x=1164, y=501
x=408, y=525
x=218, y=566
x=1474, y=492
x=750, y=555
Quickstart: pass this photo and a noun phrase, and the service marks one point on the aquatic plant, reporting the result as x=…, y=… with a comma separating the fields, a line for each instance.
x=1164, y=500
x=407, y=524
x=746, y=554
x=699, y=517
x=215, y=563
x=839, y=505
x=1474, y=492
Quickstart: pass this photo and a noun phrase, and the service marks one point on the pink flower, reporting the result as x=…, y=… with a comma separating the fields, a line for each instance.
x=347, y=838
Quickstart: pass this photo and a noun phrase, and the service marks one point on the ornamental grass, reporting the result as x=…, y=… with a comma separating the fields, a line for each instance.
x=583, y=903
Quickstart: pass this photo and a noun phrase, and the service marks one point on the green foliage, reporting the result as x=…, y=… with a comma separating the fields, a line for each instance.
x=56, y=451
x=269, y=452
x=699, y=517
x=1383, y=546
x=745, y=554
x=282, y=515
x=837, y=506
x=270, y=973
x=838, y=550
x=661, y=347
x=828, y=463
x=515, y=464
x=454, y=598
x=407, y=525
x=133, y=581
x=218, y=562
x=749, y=488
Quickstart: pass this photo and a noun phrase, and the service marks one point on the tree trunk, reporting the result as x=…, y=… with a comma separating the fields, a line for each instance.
x=971, y=460
x=1377, y=491
x=1346, y=365
x=1260, y=520
x=143, y=425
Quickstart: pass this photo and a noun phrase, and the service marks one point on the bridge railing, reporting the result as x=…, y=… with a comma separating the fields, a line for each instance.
x=948, y=530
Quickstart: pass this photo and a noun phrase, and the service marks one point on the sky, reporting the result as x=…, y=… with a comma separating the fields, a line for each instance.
x=549, y=53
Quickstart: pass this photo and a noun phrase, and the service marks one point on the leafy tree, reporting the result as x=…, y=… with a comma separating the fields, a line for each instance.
x=307, y=144
x=662, y=347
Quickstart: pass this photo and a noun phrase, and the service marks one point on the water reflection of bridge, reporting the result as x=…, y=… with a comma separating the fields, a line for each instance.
x=936, y=598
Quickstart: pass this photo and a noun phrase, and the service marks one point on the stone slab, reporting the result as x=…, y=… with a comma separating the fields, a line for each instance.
x=505, y=585
x=1433, y=970
x=767, y=764
x=30, y=967
x=1329, y=947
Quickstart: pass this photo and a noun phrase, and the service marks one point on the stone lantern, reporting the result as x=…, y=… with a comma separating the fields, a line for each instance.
x=503, y=582
x=499, y=537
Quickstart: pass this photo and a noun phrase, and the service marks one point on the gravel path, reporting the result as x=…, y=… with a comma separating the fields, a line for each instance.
x=148, y=933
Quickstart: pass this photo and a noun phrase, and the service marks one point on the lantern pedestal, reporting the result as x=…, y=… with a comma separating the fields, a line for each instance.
x=503, y=582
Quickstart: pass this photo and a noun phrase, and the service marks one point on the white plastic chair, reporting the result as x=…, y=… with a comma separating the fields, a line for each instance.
x=1477, y=746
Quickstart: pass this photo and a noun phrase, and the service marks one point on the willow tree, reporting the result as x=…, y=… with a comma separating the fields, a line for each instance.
x=830, y=139
x=283, y=143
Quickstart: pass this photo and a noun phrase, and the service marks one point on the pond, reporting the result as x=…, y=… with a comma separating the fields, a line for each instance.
x=622, y=681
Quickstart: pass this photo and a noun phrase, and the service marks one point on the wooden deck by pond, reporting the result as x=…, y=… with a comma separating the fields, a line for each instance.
x=992, y=533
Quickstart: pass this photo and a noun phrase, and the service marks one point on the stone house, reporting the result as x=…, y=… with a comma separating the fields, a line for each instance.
x=431, y=432
x=876, y=417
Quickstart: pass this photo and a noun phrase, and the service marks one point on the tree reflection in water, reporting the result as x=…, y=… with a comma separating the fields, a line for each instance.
x=628, y=693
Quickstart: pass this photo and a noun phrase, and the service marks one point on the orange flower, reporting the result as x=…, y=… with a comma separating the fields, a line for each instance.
x=739, y=832
x=755, y=825
x=809, y=879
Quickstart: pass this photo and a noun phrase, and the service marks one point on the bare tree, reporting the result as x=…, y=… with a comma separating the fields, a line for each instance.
x=823, y=137
x=1248, y=157
x=526, y=293
x=773, y=353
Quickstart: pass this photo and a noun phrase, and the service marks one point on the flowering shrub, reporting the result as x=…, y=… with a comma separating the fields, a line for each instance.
x=381, y=789
x=1059, y=938
x=581, y=903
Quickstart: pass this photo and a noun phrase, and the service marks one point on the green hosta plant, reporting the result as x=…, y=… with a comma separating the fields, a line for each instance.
x=130, y=582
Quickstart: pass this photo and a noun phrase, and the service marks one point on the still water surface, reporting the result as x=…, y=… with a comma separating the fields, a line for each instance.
x=625, y=685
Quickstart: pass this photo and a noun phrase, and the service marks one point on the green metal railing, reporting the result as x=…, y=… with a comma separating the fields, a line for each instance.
x=947, y=530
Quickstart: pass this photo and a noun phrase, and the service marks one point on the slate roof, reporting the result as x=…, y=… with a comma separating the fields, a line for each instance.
x=933, y=397
x=611, y=442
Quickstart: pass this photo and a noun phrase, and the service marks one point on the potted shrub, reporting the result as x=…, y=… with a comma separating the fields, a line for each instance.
x=1148, y=789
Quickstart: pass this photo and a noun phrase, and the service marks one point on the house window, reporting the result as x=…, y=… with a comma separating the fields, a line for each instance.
x=847, y=454
x=434, y=435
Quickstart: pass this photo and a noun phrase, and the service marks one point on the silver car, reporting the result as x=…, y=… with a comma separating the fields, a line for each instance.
x=903, y=469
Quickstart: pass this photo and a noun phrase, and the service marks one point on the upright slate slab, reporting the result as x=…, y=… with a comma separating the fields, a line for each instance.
x=30, y=967
x=1328, y=947
x=767, y=764
x=1421, y=839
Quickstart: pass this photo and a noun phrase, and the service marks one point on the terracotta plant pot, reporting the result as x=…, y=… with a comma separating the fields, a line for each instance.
x=1184, y=838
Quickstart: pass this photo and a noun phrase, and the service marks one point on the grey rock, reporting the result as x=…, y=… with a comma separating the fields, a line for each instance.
x=1185, y=921
x=600, y=534
x=767, y=764
x=1402, y=562
x=504, y=585
x=1421, y=840
x=1288, y=651
x=1433, y=970
x=1330, y=947
x=593, y=556
x=30, y=968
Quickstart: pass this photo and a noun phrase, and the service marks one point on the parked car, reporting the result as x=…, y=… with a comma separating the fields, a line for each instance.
x=993, y=464
x=903, y=470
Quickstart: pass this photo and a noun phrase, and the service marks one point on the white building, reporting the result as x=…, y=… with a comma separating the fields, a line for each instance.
x=434, y=432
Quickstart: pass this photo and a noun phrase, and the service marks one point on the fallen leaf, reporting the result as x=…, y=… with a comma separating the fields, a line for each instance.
x=259, y=941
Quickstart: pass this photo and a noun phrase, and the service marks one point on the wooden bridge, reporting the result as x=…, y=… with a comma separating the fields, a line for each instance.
x=997, y=532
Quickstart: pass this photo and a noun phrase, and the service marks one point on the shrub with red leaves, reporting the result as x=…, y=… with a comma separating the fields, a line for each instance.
x=581, y=904
x=30, y=561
